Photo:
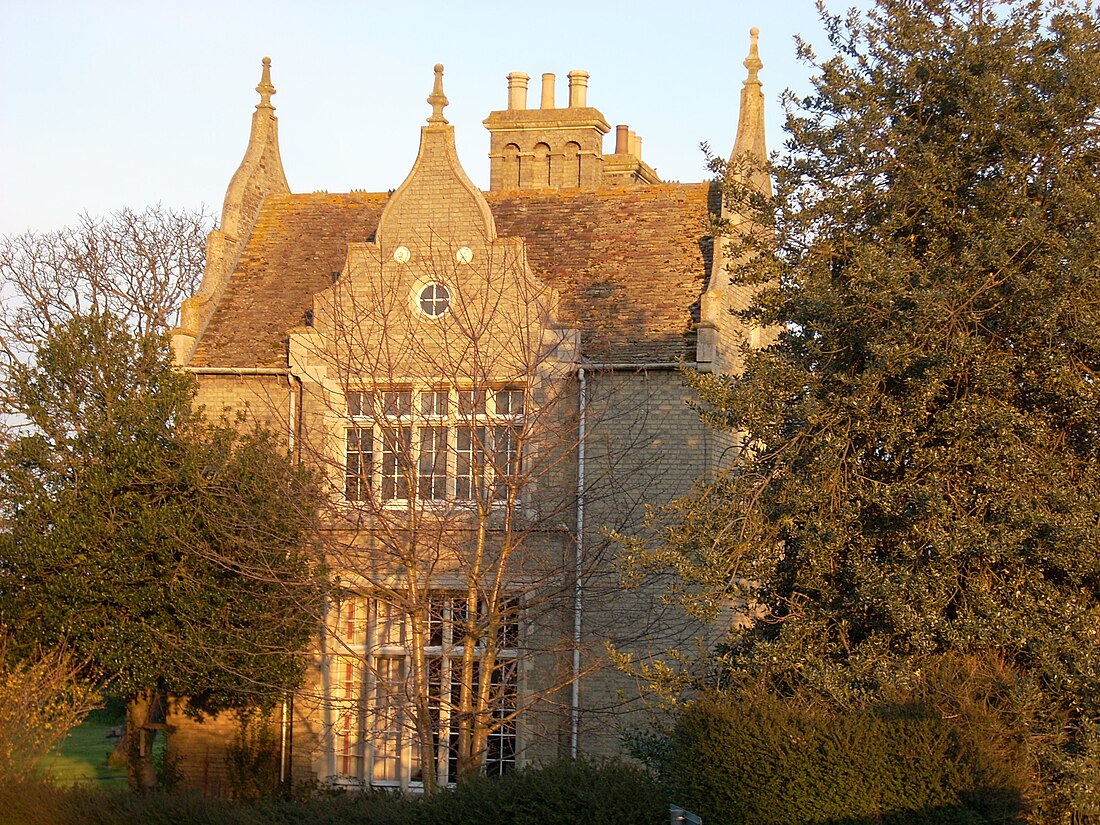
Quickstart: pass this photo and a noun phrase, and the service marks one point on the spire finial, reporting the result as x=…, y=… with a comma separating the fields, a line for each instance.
x=437, y=98
x=752, y=62
x=265, y=88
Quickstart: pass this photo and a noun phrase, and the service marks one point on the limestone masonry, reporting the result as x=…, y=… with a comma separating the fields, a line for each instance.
x=489, y=381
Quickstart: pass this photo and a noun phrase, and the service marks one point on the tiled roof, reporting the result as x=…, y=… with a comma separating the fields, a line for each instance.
x=629, y=264
x=298, y=243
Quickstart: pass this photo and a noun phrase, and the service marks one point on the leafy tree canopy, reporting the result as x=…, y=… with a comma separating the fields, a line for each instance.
x=169, y=552
x=921, y=472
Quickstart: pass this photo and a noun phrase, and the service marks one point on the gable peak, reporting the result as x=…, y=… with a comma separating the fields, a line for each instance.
x=437, y=199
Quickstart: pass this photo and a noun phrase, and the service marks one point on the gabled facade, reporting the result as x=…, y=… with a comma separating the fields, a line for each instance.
x=489, y=382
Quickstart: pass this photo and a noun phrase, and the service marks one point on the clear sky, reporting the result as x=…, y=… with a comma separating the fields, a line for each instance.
x=112, y=103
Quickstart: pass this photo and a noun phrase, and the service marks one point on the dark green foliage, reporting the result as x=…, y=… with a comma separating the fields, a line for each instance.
x=924, y=471
x=562, y=793
x=765, y=761
x=169, y=552
x=252, y=763
x=583, y=793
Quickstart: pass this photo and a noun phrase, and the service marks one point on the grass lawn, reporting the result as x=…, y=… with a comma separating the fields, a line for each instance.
x=82, y=757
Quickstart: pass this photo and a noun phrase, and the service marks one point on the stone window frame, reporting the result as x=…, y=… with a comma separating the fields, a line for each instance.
x=374, y=741
x=401, y=439
x=439, y=304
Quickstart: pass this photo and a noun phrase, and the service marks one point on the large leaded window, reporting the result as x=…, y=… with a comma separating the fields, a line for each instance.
x=370, y=674
x=436, y=444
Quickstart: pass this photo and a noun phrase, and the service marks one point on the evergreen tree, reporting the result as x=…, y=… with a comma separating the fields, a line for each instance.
x=168, y=553
x=921, y=472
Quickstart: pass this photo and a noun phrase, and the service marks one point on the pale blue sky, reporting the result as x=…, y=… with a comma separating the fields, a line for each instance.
x=112, y=103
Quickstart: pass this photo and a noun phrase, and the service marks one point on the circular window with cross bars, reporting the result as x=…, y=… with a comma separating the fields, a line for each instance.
x=435, y=299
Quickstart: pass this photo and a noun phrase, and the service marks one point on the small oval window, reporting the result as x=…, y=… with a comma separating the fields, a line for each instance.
x=435, y=299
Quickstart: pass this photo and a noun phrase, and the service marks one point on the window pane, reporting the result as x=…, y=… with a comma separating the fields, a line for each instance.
x=451, y=740
x=360, y=403
x=435, y=299
x=389, y=624
x=509, y=624
x=358, y=463
x=396, y=462
x=433, y=463
x=508, y=401
x=500, y=748
x=458, y=621
x=437, y=618
x=505, y=459
x=387, y=721
x=397, y=403
x=433, y=403
x=471, y=402
x=349, y=620
x=347, y=674
x=469, y=462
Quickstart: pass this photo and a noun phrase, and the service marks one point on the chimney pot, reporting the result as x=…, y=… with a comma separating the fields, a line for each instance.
x=622, y=139
x=578, y=89
x=548, y=90
x=517, y=90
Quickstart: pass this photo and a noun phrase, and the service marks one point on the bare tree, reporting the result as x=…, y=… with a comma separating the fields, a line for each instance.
x=450, y=437
x=138, y=266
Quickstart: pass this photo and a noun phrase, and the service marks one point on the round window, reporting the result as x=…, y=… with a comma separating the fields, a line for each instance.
x=435, y=299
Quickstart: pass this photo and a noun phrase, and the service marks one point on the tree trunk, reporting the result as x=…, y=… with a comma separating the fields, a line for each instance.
x=421, y=700
x=141, y=771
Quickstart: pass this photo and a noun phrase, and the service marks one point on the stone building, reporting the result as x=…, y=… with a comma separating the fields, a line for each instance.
x=490, y=383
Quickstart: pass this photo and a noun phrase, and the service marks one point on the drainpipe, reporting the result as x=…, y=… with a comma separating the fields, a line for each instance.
x=286, y=738
x=578, y=545
x=283, y=754
x=328, y=712
x=295, y=390
x=578, y=562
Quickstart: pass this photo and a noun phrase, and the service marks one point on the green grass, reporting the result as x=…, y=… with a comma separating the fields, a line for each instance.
x=82, y=757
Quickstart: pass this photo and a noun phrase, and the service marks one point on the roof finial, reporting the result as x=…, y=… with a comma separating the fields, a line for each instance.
x=749, y=159
x=265, y=88
x=752, y=62
x=437, y=98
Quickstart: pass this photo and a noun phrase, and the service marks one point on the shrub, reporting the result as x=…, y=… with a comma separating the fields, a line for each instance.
x=558, y=794
x=758, y=759
x=582, y=791
x=252, y=762
x=41, y=700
